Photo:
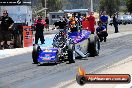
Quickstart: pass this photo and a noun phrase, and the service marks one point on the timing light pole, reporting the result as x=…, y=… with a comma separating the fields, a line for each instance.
x=45, y=7
x=92, y=5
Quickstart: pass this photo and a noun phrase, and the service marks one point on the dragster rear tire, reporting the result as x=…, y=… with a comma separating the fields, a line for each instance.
x=94, y=47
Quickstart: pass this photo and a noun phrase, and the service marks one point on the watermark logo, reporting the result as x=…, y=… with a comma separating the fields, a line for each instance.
x=19, y=1
x=83, y=78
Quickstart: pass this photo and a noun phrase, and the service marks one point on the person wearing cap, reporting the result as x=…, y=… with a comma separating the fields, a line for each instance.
x=92, y=22
x=39, y=28
x=6, y=28
x=101, y=31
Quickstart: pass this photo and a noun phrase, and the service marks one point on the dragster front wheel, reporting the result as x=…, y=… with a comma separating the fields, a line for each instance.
x=35, y=54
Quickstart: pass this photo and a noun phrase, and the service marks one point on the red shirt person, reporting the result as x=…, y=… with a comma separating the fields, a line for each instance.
x=91, y=22
x=39, y=30
x=40, y=21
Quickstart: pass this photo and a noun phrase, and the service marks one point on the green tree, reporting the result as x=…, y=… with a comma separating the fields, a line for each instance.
x=76, y=4
x=129, y=5
x=110, y=6
x=52, y=5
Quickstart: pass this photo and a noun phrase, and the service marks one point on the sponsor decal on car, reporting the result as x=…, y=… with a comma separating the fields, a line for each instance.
x=44, y=58
x=47, y=50
x=47, y=57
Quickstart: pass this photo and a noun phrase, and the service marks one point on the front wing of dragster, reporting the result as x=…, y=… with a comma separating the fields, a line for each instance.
x=48, y=55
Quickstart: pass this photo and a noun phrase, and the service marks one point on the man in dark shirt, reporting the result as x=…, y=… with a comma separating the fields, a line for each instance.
x=101, y=32
x=115, y=23
x=47, y=23
x=61, y=24
x=6, y=28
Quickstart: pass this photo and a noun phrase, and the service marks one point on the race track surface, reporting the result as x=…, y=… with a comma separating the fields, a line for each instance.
x=19, y=72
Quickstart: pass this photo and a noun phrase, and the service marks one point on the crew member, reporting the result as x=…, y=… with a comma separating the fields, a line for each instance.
x=39, y=30
x=73, y=24
x=101, y=32
x=115, y=23
x=104, y=19
x=91, y=22
x=6, y=29
x=61, y=23
x=47, y=23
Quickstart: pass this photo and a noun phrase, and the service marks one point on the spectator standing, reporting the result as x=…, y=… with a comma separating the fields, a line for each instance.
x=73, y=23
x=92, y=22
x=104, y=19
x=39, y=28
x=0, y=33
x=115, y=23
x=65, y=19
x=6, y=29
x=47, y=23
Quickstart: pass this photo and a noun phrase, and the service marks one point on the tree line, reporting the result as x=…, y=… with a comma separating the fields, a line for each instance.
x=110, y=6
x=113, y=6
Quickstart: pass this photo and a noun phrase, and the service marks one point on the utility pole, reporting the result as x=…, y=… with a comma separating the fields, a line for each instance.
x=45, y=8
x=91, y=5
